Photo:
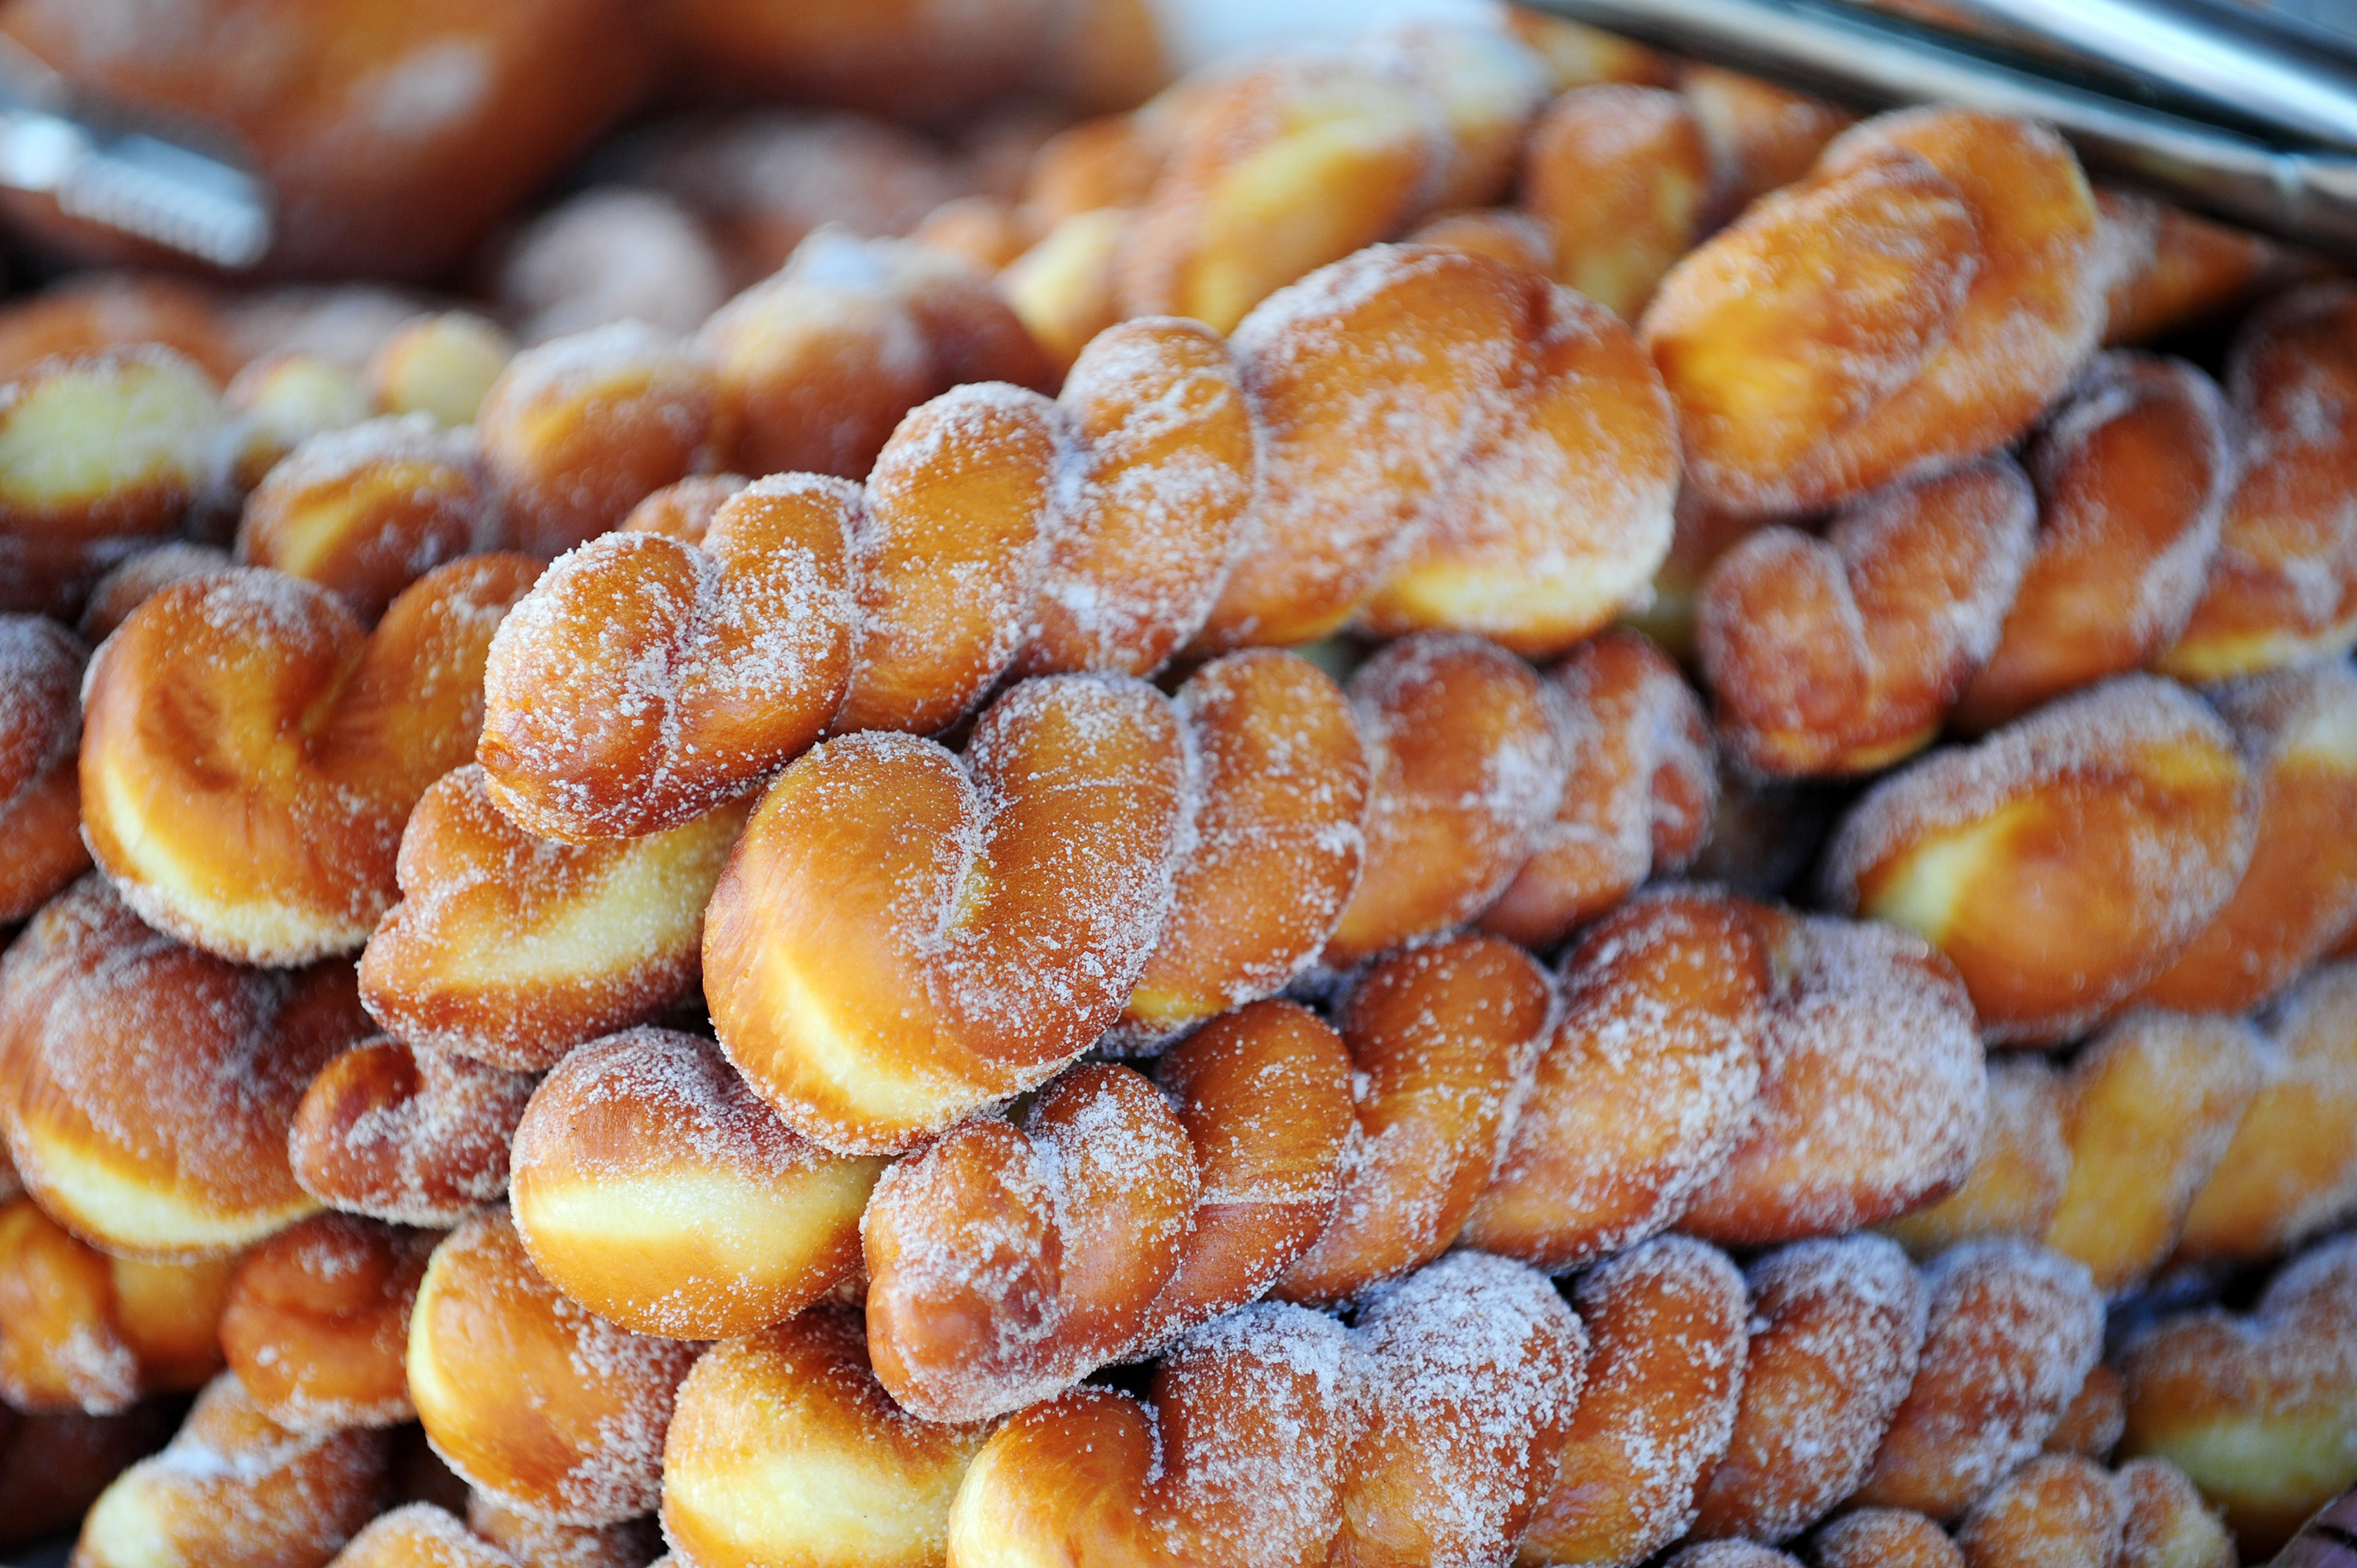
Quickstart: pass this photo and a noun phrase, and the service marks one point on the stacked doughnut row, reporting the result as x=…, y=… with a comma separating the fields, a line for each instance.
x=909, y=1010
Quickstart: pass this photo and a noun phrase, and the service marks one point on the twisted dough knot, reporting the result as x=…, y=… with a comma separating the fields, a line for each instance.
x=149, y=1087
x=1005, y=1263
x=249, y=755
x=1418, y=436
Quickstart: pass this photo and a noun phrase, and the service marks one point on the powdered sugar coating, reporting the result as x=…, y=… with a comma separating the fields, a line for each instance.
x=416, y=1137
x=1003, y=1265
x=1637, y=799
x=652, y=1185
x=2138, y=776
x=1872, y=1091
x=41, y=711
x=1466, y=760
x=529, y=1396
x=1256, y=1412
x=1667, y=1322
x=645, y=681
x=1840, y=1327
x=1473, y=1365
x=138, y=1061
x=1007, y=903
x=2013, y=1331
x=1645, y=1089
x=234, y=1486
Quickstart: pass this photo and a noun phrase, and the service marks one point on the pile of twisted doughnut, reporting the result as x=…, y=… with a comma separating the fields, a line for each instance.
x=1474, y=799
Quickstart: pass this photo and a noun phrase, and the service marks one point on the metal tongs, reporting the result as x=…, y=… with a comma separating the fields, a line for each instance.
x=2248, y=114
x=146, y=175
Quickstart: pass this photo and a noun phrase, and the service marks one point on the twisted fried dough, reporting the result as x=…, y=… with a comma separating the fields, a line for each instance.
x=233, y=1486
x=2064, y=860
x=40, y=792
x=902, y=936
x=529, y=1396
x=1843, y=654
x=248, y=755
x=1005, y=1263
x=2256, y=1409
x=2282, y=588
x=651, y=1185
x=2132, y=469
x=998, y=531
x=1917, y=301
x=784, y=1446
x=81, y=1331
x=1638, y=800
x=511, y=950
x=317, y=1322
x=149, y=1087
x=100, y=453
x=413, y=1137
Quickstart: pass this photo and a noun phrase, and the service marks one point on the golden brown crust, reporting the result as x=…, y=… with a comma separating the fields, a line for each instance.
x=2175, y=270
x=1005, y=1262
x=2016, y=1184
x=2255, y=1409
x=528, y=1396
x=1279, y=837
x=2091, y=1423
x=1441, y=1039
x=1884, y=1538
x=1967, y=291
x=652, y=1185
x=233, y=1486
x=151, y=1086
x=1838, y=1330
x=1762, y=136
x=90, y=312
x=1871, y=1089
x=2056, y=1509
x=2283, y=585
x=902, y=935
x=579, y=430
x=1667, y=1323
x=1619, y=176
x=816, y=364
x=1842, y=655
x=2132, y=469
x=316, y=1322
x=1612, y=1143
x=1636, y=801
x=1466, y=758
x=365, y=512
x=413, y=1137
x=2298, y=730
x=1474, y=1364
x=248, y=755
x=794, y=1413
x=2290, y=1171
x=2013, y=1331
x=141, y=577
x=40, y=792
x=83, y=1332
x=275, y=404
x=536, y=1543
x=2148, y=1110
x=513, y=950
x=100, y=453
x=2062, y=862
